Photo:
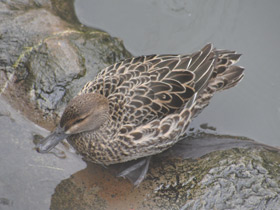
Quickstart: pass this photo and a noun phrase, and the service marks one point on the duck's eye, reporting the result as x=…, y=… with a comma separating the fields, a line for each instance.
x=78, y=121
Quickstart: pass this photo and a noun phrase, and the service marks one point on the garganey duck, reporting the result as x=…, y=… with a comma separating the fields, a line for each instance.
x=142, y=106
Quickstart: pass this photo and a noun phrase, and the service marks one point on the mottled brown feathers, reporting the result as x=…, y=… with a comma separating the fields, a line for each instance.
x=151, y=100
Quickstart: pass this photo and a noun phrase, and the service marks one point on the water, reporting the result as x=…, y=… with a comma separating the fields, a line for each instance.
x=251, y=27
x=27, y=178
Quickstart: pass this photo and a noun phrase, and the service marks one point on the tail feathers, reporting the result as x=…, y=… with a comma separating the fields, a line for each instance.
x=227, y=79
x=225, y=59
x=225, y=75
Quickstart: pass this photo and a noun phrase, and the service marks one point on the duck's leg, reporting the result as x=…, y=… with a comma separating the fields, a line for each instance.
x=136, y=172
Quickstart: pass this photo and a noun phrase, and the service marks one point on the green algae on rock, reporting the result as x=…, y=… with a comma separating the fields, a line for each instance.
x=49, y=58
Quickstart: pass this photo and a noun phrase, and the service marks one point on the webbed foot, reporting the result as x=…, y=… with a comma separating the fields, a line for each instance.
x=136, y=171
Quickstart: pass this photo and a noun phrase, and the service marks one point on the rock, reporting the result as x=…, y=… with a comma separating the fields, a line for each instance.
x=231, y=179
x=45, y=60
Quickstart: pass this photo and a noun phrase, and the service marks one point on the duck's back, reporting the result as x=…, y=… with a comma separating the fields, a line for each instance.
x=152, y=98
x=148, y=87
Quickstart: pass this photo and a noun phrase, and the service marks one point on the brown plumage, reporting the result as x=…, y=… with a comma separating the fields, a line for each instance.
x=143, y=105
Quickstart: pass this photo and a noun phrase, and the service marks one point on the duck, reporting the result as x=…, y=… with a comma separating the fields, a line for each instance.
x=143, y=105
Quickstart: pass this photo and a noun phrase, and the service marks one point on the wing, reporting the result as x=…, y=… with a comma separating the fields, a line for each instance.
x=151, y=87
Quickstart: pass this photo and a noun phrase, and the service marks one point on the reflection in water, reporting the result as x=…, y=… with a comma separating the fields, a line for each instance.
x=200, y=143
x=55, y=151
x=27, y=179
x=5, y=202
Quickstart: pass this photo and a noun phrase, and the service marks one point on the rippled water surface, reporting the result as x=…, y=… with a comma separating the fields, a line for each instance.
x=251, y=27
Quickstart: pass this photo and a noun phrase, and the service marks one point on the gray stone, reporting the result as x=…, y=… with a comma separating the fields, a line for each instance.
x=45, y=60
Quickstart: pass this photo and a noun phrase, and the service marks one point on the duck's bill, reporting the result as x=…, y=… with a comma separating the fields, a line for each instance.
x=48, y=143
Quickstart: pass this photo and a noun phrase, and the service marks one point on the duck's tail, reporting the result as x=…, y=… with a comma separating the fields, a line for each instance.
x=225, y=75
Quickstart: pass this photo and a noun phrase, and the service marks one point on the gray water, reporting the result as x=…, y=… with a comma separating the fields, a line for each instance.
x=250, y=27
x=27, y=178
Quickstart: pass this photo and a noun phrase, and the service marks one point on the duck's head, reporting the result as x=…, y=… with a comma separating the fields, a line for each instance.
x=84, y=113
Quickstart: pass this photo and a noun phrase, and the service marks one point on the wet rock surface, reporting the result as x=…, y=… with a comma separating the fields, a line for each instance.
x=46, y=56
x=232, y=179
x=45, y=60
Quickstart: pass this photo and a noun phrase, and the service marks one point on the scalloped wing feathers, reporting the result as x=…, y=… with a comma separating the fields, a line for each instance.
x=153, y=98
x=152, y=87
